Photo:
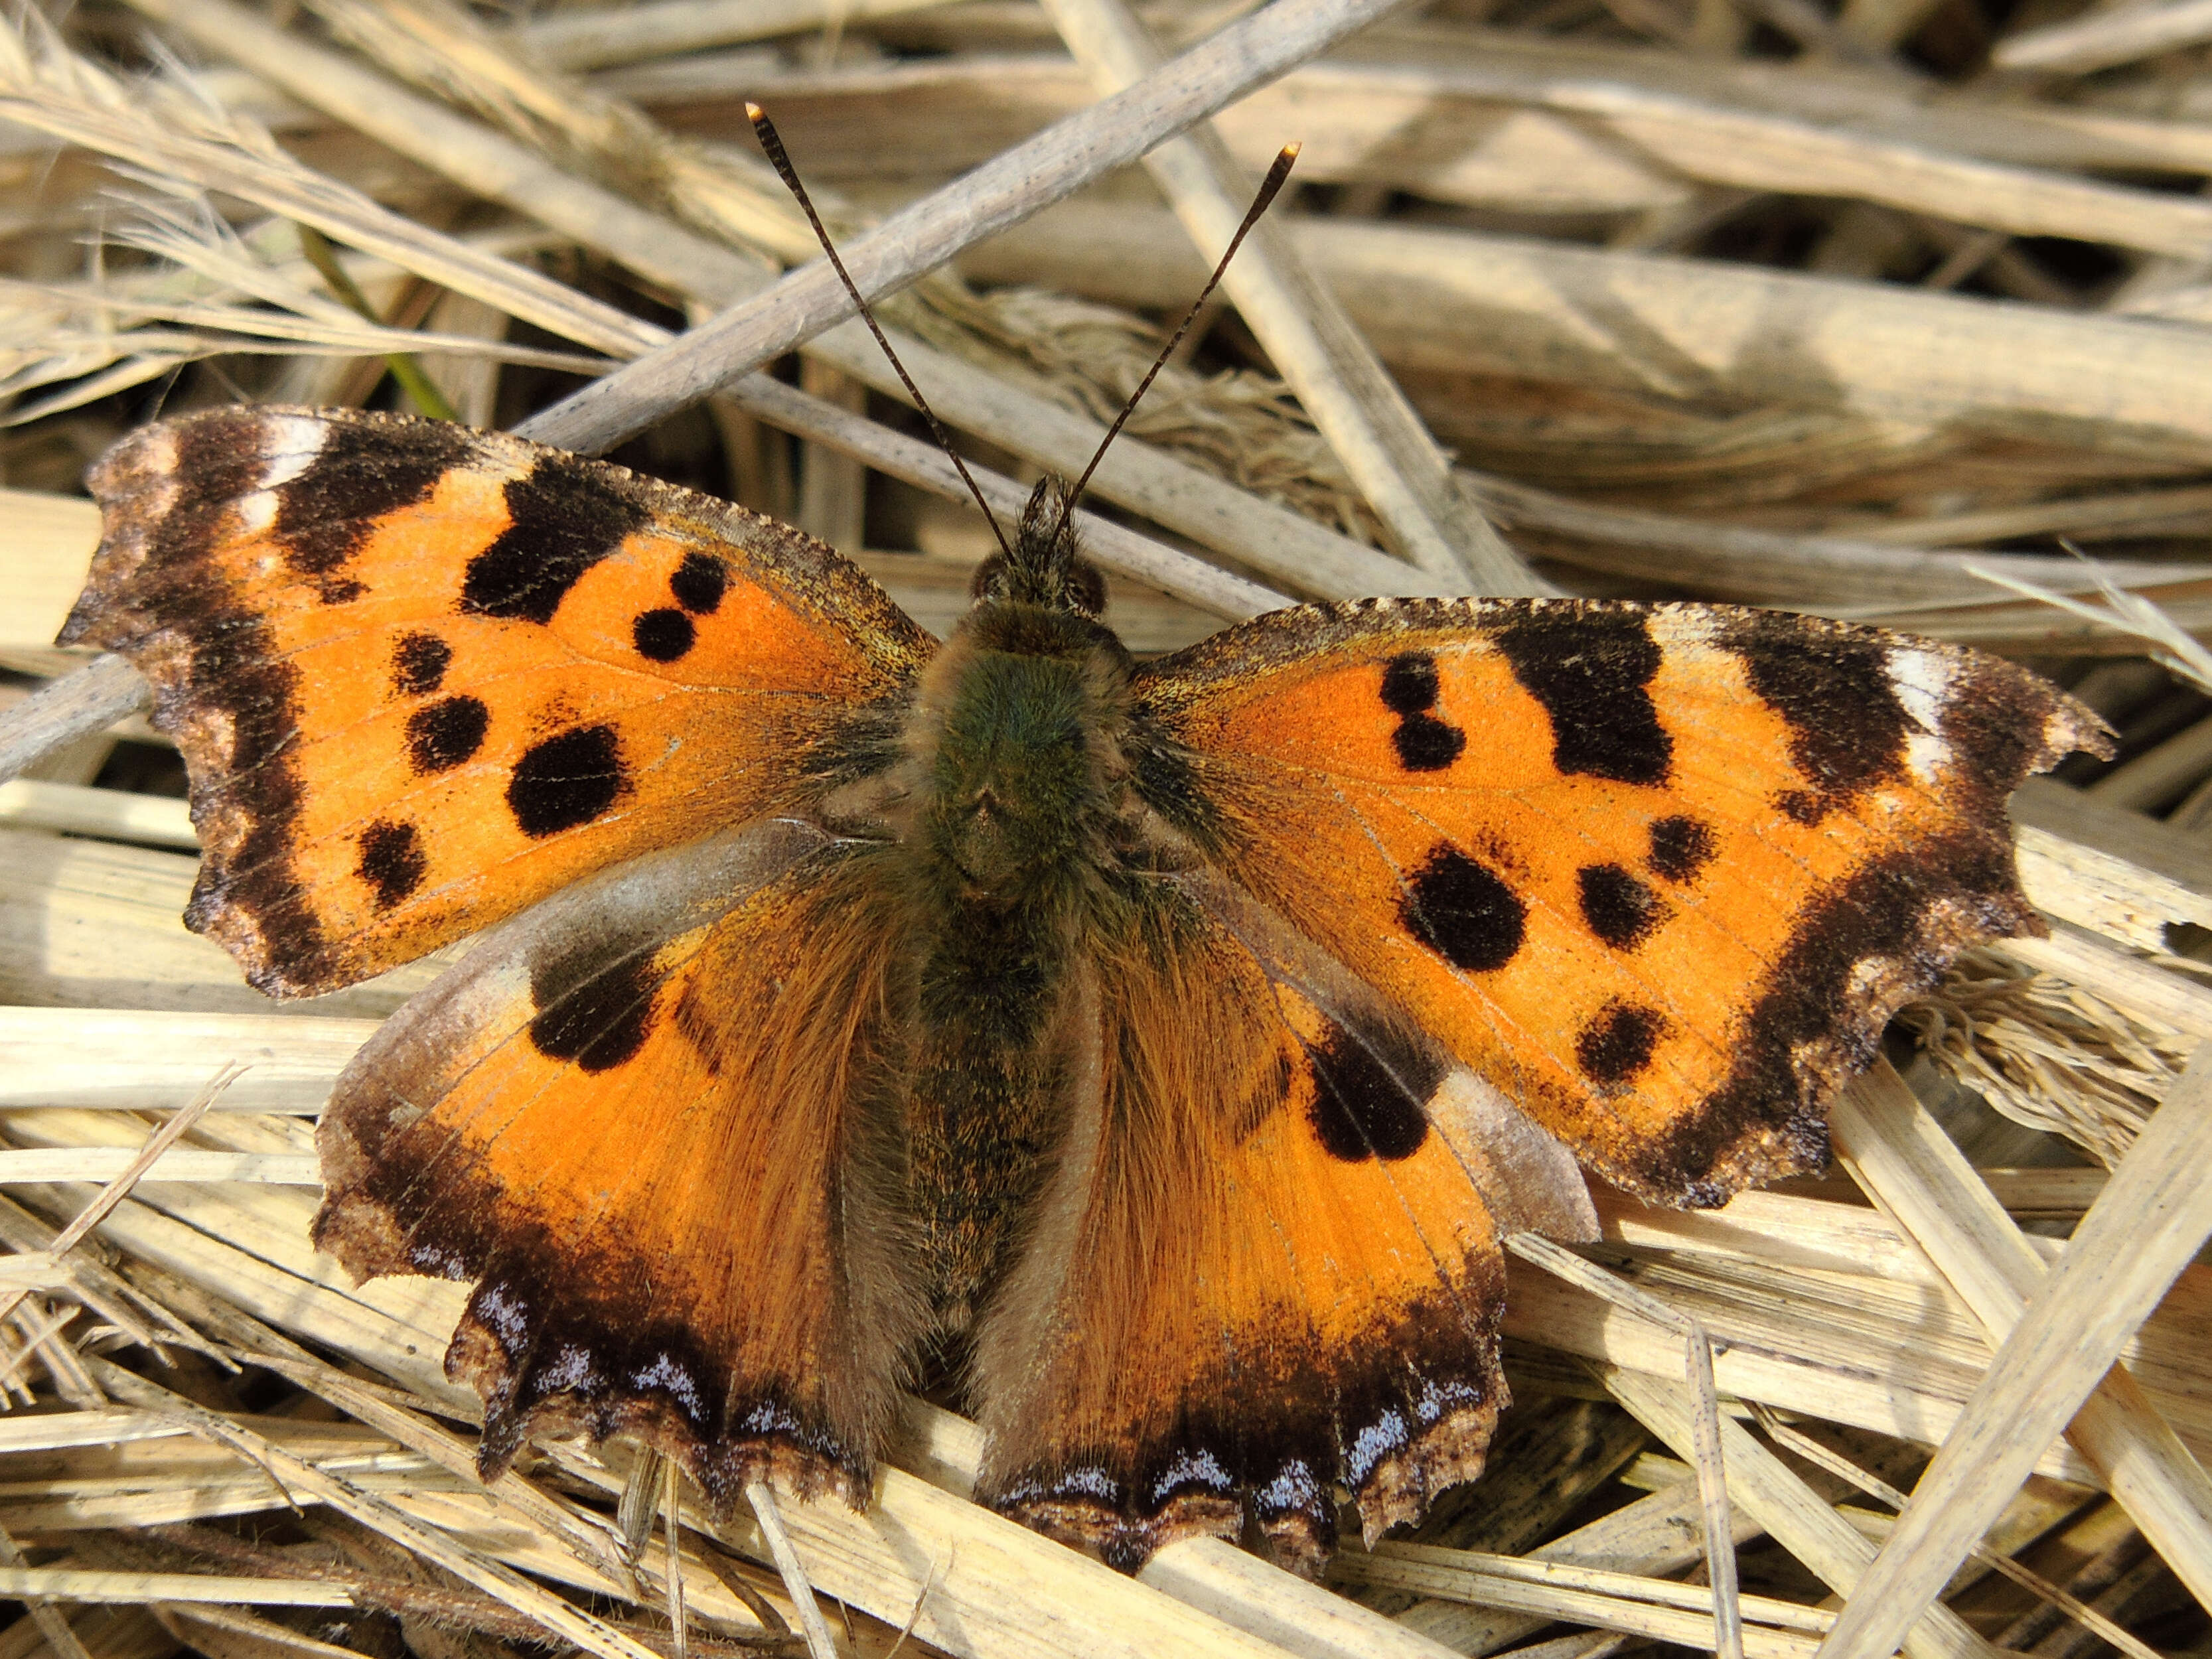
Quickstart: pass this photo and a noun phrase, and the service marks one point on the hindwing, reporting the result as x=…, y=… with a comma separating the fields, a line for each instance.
x=647, y=1120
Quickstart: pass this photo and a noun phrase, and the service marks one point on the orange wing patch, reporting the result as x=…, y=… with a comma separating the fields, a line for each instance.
x=423, y=677
x=1268, y=1262
x=1660, y=873
x=643, y=1118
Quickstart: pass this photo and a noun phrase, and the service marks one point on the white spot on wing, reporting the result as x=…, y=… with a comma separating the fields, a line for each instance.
x=1922, y=680
x=294, y=441
x=667, y=1374
x=1085, y=1483
x=291, y=444
x=1387, y=1434
x=503, y=1314
x=159, y=445
x=434, y=1262
x=768, y=1418
x=158, y=461
x=1438, y=1397
x=1294, y=1488
x=1200, y=1468
x=571, y=1368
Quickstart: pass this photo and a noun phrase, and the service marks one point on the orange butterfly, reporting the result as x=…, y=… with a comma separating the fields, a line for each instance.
x=1180, y=1036
x=1173, y=1041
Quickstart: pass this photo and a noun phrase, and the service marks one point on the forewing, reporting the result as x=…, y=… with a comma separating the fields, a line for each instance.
x=645, y=1120
x=1659, y=873
x=423, y=676
x=1268, y=1262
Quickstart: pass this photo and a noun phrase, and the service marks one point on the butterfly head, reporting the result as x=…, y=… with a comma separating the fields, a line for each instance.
x=1044, y=567
x=1017, y=728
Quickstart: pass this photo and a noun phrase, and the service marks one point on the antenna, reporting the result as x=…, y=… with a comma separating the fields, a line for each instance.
x=1277, y=173
x=764, y=130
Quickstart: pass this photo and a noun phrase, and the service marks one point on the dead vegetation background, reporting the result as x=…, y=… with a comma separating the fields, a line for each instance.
x=1886, y=310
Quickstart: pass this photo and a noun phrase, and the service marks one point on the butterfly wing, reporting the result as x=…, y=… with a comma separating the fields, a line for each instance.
x=1268, y=1262
x=647, y=1118
x=1463, y=886
x=1659, y=873
x=424, y=676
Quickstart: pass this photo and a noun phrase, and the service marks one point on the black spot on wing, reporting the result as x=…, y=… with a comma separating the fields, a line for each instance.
x=1832, y=689
x=1616, y=1046
x=391, y=861
x=447, y=735
x=1591, y=669
x=1424, y=743
x=1681, y=847
x=595, y=1019
x=1464, y=912
x=663, y=635
x=699, y=583
x=364, y=470
x=1805, y=807
x=1619, y=908
x=1365, y=1100
x=1409, y=682
x=564, y=516
x=419, y=662
x=566, y=780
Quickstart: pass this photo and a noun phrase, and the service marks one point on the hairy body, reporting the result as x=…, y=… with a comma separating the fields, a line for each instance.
x=1010, y=816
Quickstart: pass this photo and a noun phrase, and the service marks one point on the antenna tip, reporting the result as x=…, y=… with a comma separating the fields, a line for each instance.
x=1289, y=152
x=754, y=112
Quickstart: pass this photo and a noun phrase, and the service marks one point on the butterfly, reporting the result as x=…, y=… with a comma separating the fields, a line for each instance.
x=1173, y=1041
x=1169, y=1045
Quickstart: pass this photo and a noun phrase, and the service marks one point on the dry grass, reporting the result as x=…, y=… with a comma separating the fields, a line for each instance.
x=1861, y=309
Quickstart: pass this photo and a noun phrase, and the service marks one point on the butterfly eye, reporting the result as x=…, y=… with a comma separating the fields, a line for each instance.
x=1086, y=588
x=990, y=579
